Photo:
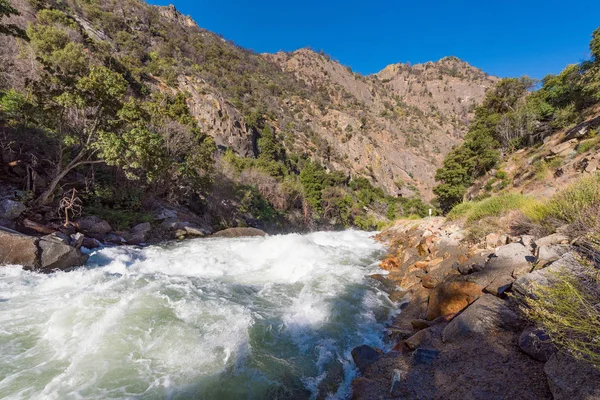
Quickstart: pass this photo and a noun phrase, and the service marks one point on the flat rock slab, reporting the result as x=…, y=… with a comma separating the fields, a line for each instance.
x=487, y=314
x=452, y=297
x=239, y=232
x=556, y=238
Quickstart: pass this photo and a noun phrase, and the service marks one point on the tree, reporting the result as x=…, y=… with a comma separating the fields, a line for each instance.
x=6, y=10
x=77, y=116
x=312, y=177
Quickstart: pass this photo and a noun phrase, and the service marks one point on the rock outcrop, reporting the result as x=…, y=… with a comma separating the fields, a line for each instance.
x=44, y=254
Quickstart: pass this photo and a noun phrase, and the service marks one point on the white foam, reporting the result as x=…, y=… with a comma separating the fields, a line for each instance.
x=167, y=321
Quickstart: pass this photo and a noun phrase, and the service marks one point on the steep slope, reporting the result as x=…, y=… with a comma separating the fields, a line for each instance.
x=397, y=125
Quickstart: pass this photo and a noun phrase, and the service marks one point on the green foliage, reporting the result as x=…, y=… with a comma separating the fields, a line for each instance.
x=119, y=219
x=312, y=178
x=255, y=204
x=587, y=145
x=14, y=107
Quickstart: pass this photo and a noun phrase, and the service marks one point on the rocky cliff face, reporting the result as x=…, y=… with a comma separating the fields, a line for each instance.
x=395, y=126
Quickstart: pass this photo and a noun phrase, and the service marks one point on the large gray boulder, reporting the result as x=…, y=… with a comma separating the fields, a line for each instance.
x=10, y=209
x=57, y=253
x=18, y=249
x=139, y=234
x=526, y=285
x=93, y=225
x=45, y=254
x=503, y=268
x=550, y=253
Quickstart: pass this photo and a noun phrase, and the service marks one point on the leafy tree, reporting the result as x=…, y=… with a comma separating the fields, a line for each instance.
x=77, y=116
x=312, y=178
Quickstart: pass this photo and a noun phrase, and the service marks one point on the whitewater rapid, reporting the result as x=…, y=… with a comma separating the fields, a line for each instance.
x=248, y=318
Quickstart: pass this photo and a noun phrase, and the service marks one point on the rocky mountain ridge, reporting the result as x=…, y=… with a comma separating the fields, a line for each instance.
x=392, y=126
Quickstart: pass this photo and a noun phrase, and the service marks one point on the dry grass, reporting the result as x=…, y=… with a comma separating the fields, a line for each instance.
x=569, y=311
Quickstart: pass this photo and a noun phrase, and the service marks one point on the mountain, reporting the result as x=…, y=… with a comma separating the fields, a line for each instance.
x=268, y=116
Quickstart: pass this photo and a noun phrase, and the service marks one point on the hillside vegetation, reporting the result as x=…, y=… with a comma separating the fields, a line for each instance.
x=516, y=116
x=133, y=106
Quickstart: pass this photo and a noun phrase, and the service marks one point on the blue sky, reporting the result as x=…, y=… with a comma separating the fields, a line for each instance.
x=504, y=38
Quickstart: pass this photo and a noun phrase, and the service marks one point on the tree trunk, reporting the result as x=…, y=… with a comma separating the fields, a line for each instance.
x=46, y=197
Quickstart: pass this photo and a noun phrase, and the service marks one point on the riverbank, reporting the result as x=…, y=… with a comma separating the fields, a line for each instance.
x=463, y=332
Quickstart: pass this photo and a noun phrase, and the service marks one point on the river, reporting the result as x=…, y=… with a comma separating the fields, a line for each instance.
x=247, y=318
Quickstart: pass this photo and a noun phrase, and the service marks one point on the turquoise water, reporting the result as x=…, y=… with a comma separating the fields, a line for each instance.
x=249, y=318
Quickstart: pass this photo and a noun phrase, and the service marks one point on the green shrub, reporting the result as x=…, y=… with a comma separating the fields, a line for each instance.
x=568, y=311
x=587, y=145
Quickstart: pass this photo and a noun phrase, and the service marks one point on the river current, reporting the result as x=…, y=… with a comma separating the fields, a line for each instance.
x=247, y=318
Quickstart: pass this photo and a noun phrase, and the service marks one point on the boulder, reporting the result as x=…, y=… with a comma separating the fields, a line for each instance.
x=139, y=233
x=555, y=238
x=527, y=284
x=239, y=232
x=551, y=253
x=192, y=230
x=425, y=356
x=500, y=285
x=509, y=261
x=565, y=148
x=90, y=243
x=487, y=314
x=77, y=240
x=527, y=241
x=18, y=249
x=592, y=166
x=389, y=263
x=57, y=253
x=165, y=214
x=571, y=379
x=93, y=225
x=493, y=240
x=364, y=356
x=47, y=253
x=10, y=209
x=452, y=297
x=536, y=343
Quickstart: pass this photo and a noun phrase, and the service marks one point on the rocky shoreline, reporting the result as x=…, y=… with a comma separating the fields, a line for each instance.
x=47, y=247
x=461, y=333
